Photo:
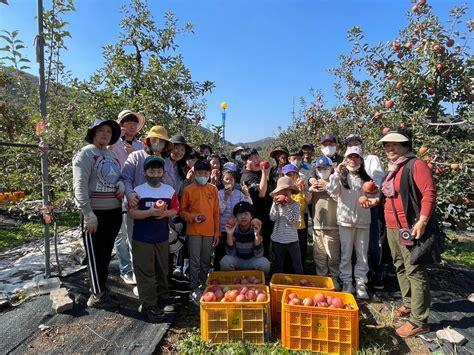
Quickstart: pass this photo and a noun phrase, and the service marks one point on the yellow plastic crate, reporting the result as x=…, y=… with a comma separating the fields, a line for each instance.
x=227, y=277
x=226, y=322
x=317, y=329
x=279, y=282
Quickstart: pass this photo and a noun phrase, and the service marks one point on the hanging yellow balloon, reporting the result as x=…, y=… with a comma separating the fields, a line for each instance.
x=224, y=105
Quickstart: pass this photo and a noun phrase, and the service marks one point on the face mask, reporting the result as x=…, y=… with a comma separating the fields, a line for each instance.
x=158, y=146
x=201, y=180
x=352, y=169
x=296, y=164
x=238, y=158
x=153, y=180
x=329, y=151
x=324, y=174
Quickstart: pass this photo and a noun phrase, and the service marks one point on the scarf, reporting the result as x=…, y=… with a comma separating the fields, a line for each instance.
x=387, y=186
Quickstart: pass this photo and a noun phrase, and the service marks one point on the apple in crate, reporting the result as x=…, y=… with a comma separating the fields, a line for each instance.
x=209, y=297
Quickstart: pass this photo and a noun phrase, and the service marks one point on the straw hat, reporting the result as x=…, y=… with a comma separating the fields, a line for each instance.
x=138, y=115
x=285, y=182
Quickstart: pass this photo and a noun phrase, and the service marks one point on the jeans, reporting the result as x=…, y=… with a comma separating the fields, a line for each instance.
x=123, y=248
x=232, y=263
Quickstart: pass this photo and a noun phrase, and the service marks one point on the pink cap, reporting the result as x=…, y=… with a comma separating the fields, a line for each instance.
x=355, y=149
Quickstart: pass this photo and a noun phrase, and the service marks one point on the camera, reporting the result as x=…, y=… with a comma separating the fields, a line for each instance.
x=406, y=238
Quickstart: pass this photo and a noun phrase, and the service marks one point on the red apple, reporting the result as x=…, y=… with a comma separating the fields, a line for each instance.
x=294, y=301
x=232, y=221
x=281, y=199
x=396, y=46
x=240, y=298
x=261, y=297
x=363, y=199
x=319, y=297
x=385, y=131
x=450, y=42
x=201, y=218
x=209, y=297
x=308, y=301
x=160, y=205
x=337, y=302
x=389, y=104
x=369, y=187
x=264, y=164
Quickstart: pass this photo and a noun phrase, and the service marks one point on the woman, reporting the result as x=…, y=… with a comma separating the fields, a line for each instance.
x=175, y=163
x=399, y=215
x=345, y=186
x=98, y=193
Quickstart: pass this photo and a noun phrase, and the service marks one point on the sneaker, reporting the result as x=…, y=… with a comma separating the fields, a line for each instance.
x=154, y=313
x=347, y=287
x=178, y=271
x=376, y=282
x=166, y=306
x=409, y=330
x=195, y=297
x=129, y=278
x=105, y=302
x=362, y=292
x=135, y=291
x=337, y=284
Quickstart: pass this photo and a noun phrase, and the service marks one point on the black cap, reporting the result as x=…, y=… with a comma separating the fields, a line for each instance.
x=242, y=207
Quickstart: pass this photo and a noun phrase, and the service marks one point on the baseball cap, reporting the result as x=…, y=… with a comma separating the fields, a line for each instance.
x=152, y=160
x=323, y=161
x=328, y=137
x=355, y=149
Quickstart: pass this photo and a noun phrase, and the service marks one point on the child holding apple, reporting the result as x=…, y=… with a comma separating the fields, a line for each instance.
x=158, y=202
x=285, y=212
x=229, y=196
x=353, y=220
x=244, y=241
x=200, y=210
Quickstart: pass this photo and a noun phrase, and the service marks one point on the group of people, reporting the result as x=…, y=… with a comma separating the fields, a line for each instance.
x=243, y=213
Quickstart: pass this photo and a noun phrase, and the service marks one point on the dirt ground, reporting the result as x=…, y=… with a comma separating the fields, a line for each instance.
x=377, y=324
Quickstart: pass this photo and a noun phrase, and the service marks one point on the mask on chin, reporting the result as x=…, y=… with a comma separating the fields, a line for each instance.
x=158, y=146
x=352, y=168
x=329, y=151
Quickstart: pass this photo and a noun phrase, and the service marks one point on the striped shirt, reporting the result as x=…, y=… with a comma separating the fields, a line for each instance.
x=286, y=218
x=244, y=245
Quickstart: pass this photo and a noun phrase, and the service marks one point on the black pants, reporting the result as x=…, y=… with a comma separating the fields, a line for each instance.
x=220, y=251
x=267, y=230
x=280, y=250
x=303, y=241
x=99, y=247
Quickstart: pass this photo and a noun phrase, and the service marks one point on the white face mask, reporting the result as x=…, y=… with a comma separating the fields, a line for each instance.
x=329, y=151
x=238, y=158
x=324, y=174
x=158, y=146
x=352, y=168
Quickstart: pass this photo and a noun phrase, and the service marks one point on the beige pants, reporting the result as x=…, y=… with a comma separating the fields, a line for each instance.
x=326, y=252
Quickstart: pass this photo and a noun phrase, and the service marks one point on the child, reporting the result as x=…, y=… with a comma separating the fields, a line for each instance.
x=353, y=219
x=200, y=210
x=229, y=196
x=326, y=247
x=244, y=241
x=150, y=239
x=300, y=197
x=285, y=213
x=216, y=176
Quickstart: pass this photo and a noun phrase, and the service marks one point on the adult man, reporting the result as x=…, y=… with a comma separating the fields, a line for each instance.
x=256, y=180
x=130, y=123
x=308, y=151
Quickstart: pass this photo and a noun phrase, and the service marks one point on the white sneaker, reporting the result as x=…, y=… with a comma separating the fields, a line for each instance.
x=362, y=292
x=129, y=278
x=135, y=291
x=195, y=297
x=178, y=271
x=347, y=287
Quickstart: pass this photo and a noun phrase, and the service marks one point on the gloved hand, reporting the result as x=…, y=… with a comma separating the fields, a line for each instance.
x=90, y=222
x=120, y=189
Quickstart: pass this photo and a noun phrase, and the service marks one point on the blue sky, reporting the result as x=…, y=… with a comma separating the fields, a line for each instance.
x=261, y=54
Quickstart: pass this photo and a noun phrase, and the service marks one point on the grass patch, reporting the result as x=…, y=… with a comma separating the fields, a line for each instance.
x=459, y=249
x=31, y=231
